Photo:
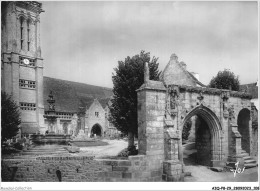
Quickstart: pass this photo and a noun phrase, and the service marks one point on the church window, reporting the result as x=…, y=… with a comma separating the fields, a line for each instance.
x=27, y=84
x=96, y=114
x=28, y=34
x=27, y=106
x=21, y=31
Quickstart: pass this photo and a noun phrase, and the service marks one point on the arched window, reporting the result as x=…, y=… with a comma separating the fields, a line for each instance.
x=21, y=31
x=28, y=35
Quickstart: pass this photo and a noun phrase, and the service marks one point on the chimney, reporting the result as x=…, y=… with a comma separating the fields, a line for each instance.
x=183, y=65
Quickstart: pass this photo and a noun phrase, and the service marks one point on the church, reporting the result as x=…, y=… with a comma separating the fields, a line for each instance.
x=47, y=105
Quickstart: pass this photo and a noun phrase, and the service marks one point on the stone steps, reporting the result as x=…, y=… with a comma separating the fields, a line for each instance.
x=250, y=165
x=45, y=153
x=44, y=150
x=246, y=157
x=32, y=150
x=249, y=162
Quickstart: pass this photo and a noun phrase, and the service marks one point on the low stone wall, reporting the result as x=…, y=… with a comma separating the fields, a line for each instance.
x=80, y=169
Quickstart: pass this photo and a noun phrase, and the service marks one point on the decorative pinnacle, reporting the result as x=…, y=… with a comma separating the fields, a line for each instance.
x=146, y=73
x=174, y=57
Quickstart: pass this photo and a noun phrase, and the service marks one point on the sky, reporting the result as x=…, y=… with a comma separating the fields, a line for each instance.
x=83, y=41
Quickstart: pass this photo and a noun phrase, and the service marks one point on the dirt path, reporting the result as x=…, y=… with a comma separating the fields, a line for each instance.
x=203, y=174
x=112, y=149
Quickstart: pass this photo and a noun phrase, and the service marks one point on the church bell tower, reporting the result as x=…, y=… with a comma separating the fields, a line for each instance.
x=21, y=61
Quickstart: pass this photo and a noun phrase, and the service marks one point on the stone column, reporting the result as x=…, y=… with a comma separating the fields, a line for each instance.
x=151, y=105
x=234, y=142
x=151, y=108
x=39, y=93
x=15, y=77
x=191, y=137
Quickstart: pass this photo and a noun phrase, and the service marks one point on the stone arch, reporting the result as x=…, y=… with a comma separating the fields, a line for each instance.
x=96, y=129
x=243, y=127
x=215, y=129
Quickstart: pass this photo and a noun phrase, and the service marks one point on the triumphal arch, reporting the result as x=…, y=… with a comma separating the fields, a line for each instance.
x=223, y=131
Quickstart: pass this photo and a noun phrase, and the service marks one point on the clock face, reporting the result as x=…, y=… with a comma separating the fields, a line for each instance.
x=26, y=61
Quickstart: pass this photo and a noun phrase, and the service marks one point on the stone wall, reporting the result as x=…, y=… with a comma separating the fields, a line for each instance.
x=80, y=169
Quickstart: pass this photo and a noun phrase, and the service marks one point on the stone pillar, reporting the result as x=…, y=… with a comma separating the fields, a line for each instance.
x=151, y=105
x=191, y=137
x=59, y=131
x=234, y=142
x=151, y=109
x=15, y=78
x=39, y=92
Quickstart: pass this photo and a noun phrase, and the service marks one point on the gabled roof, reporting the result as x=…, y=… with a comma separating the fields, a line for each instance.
x=174, y=61
x=69, y=96
x=250, y=88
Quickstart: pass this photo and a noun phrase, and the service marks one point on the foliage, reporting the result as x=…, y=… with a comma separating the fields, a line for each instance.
x=225, y=80
x=186, y=130
x=10, y=117
x=128, y=77
x=18, y=146
x=130, y=150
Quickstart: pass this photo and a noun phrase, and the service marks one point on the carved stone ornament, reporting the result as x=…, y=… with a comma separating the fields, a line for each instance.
x=232, y=115
x=200, y=98
x=225, y=110
x=174, y=96
x=225, y=95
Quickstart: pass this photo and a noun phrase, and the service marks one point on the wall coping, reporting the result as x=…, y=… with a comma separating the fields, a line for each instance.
x=211, y=91
x=152, y=85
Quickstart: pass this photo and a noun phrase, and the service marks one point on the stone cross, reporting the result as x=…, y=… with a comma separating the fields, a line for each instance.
x=146, y=73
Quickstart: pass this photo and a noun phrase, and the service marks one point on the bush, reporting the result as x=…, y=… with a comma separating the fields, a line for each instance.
x=18, y=146
x=129, y=151
x=186, y=130
x=8, y=149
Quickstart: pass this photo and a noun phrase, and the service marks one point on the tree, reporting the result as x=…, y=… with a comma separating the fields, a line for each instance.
x=10, y=119
x=128, y=77
x=225, y=80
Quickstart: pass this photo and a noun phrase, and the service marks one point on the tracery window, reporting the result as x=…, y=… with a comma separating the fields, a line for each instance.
x=28, y=35
x=21, y=31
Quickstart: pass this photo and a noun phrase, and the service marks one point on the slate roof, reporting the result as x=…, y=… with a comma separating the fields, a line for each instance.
x=250, y=88
x=69, y=96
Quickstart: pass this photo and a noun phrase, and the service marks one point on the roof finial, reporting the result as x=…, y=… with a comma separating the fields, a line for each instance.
x=146, y=72
x=174, y=57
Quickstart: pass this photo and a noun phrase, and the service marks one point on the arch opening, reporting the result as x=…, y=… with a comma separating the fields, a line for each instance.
x=197, y=145
x=201, y=138
x=96, y=131
x=243, y=128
